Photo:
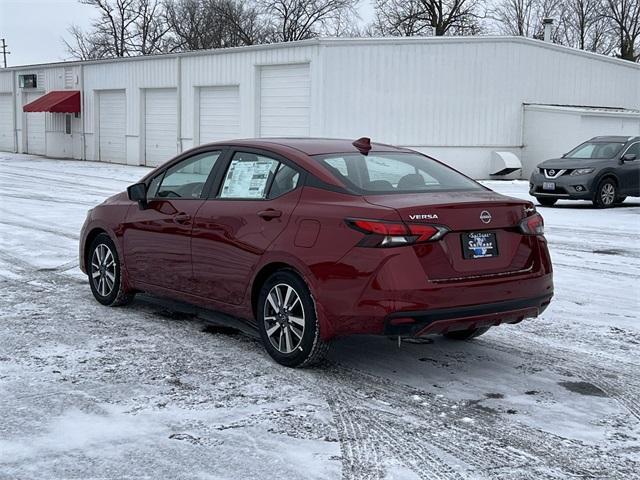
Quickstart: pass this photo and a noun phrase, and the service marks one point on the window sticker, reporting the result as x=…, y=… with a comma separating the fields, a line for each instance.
x=247, y=179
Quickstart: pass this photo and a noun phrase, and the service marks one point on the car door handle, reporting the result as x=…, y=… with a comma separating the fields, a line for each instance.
x=270, y=213
x=182, y=218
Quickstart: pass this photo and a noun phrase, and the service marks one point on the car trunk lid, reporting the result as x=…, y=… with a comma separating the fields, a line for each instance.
x=462, y=213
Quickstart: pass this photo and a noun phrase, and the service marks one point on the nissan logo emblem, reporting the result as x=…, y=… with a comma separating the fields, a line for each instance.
x=485, y=216
x=552, y=172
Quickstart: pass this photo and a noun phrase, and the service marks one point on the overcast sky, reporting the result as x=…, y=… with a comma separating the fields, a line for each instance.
x=33, y=29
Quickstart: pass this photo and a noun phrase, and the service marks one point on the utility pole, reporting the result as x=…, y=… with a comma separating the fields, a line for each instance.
x=4, y=52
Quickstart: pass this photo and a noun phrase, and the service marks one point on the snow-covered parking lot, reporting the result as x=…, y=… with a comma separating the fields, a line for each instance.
x=152, y=391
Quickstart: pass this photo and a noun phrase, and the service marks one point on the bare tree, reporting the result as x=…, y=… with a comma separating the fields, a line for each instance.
x=582, y=25
x=150, y=30
x=625, y=17
x=422, y=17
x=302, y=19
x=123, y=28
x=204, y=24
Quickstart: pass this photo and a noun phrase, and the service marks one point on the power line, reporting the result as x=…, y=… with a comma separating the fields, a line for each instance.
x=4, y=52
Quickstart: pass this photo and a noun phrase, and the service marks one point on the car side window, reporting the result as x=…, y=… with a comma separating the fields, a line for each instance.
x=185, y=179
x=634, y=150
x=253, y=176
x=285, y=180
x=152, y=189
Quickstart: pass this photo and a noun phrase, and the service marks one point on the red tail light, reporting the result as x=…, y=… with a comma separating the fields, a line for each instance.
x=392, y=234
x=533, y=225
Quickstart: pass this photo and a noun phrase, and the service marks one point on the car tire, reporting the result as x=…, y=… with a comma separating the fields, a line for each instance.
x=290, y=330
x=105, y=273
x=606, y=193
x=619, y=200
x=467, y=334
x=546, y=201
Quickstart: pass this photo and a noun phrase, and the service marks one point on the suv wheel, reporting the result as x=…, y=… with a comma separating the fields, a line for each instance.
x=547, y=201
x=467, y=334
x=606, y=194
x=288, y=323
x=105, y=274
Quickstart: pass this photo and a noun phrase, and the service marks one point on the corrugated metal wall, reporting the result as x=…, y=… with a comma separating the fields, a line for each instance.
x=456, y=92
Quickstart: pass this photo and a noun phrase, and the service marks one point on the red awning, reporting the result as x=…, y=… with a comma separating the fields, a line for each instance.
x=62, y=101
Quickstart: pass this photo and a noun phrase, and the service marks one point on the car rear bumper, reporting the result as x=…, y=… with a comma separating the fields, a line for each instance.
x=445, y=320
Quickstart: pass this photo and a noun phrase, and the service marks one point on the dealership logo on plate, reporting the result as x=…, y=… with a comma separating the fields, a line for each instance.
x=485, y=216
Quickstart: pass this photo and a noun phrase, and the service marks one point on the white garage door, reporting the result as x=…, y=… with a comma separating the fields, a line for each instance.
x=112, y=127
x=6, y=122
x=35, y=124
x=285, y=99
x=161, y=125
x=219, y=113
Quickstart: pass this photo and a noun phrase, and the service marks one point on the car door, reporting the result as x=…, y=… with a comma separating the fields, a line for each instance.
x=157, y=239
x=233, y=229
x=629, y=172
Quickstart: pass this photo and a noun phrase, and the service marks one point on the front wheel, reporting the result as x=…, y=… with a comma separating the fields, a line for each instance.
x=547, y=201
x=467, y=334
x=105, y=273
x=288, y=323
x=606, y=193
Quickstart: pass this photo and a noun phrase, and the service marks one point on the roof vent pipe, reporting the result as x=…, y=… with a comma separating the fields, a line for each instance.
x=547, y=23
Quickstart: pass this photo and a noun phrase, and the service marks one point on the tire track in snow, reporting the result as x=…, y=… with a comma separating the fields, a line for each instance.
x=486, y=443
x=625, y=392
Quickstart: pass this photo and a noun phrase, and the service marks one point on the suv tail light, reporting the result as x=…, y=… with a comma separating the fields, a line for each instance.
x=533, y=225
x=395, y=234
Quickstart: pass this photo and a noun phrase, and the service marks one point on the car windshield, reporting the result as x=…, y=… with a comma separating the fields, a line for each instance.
x=395, y=173
x=596, y=150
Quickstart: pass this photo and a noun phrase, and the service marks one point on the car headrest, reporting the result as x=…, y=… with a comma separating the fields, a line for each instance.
x=411, y=181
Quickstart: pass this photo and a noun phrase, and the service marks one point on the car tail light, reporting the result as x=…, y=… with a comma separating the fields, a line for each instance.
x=533, y=225
x=395, y=234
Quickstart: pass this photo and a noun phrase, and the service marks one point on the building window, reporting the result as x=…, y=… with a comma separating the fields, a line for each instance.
x=67, y=124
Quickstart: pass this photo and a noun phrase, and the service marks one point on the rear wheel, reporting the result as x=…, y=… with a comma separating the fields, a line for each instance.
x=547, y=201
x=606, y=193
x=467, y=334
x=288, y=323
x=105, y=274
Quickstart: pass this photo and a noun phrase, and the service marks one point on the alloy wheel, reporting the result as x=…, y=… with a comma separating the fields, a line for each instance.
x=608, y=194
x=103, y=270
x=284, y=318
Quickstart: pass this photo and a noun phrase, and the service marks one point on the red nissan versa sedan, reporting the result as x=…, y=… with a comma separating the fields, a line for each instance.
x=309, y=239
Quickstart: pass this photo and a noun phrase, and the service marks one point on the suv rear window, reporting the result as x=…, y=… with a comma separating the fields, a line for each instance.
x=395, y=173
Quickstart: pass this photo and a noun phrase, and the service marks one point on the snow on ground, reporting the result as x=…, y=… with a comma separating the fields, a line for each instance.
x=153, y=391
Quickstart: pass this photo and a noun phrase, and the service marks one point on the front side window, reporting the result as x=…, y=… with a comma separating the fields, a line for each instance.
x=186, y=179
x=253, y=176
x=396, y=173
x=634, y=150
x=595, y=150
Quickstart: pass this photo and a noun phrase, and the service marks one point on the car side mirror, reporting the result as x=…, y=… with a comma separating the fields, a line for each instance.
x=629, y=157
x=138, y=193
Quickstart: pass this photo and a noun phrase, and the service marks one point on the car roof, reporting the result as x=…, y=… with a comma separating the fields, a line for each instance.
x=614, y=138
x=300, y=150
x=312, y=146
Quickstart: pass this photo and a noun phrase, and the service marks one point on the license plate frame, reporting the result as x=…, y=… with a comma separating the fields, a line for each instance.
x=477, y=245
x=548, y=185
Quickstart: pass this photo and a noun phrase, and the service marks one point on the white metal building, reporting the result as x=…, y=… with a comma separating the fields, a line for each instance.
x=465, y=100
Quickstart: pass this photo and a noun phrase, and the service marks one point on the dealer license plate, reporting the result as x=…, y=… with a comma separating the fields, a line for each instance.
x=479, y=245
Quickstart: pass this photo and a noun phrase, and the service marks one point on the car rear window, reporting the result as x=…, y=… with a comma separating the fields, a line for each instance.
x=395, y=173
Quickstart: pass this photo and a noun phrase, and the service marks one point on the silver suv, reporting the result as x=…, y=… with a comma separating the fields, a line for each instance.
x=605, y=170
